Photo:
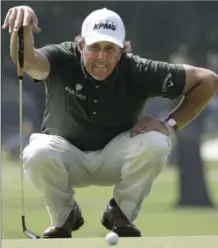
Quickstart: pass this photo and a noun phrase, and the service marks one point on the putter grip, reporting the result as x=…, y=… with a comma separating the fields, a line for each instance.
x=20, y=52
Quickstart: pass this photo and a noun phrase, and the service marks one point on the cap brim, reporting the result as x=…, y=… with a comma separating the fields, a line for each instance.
x=90, y=39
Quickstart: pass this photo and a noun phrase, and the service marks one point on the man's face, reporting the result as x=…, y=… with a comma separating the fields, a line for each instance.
x=100, y=58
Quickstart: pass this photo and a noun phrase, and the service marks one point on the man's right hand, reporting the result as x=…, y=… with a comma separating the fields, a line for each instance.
x=20, y=16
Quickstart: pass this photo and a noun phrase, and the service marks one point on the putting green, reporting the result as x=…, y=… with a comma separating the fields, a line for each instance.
x=147, y=242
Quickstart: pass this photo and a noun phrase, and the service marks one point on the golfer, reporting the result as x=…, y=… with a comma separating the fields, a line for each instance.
x=91, y=131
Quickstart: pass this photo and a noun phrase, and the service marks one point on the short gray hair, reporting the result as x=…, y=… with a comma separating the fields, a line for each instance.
x=126, y=49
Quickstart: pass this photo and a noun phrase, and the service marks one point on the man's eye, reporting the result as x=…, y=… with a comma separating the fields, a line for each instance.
x=110, y=48
x=94, y=47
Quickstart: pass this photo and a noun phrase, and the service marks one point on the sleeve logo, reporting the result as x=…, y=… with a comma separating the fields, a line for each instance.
x=167, y=83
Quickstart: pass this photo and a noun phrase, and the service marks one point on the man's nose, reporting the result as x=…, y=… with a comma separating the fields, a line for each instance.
x=102, y=54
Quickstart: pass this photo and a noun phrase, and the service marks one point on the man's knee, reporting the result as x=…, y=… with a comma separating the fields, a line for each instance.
x=40, y=156
x=146, y=155
x=152, y=143
x=34, y=158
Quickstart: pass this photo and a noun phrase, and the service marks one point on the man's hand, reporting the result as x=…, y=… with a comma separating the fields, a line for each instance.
x=147, y=124
x=20, y=16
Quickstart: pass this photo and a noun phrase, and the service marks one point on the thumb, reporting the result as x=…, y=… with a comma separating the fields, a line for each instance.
x=36, y=29
x=135, y=131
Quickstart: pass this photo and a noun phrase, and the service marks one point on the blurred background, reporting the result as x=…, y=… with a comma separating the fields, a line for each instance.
x=176, y=32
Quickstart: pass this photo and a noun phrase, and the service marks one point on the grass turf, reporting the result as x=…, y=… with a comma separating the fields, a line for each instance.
x=158, y=217
x=149, y=242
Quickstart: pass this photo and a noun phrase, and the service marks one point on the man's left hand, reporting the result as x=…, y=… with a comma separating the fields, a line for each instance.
x=147, y=124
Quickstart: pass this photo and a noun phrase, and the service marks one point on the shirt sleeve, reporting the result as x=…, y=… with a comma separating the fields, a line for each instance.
x=57, y=56
x=157, y=78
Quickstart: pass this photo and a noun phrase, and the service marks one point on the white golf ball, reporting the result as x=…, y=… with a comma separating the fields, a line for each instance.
x=112, y=238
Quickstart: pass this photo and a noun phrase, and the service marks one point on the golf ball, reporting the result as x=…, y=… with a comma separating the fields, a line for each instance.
x=112, y=238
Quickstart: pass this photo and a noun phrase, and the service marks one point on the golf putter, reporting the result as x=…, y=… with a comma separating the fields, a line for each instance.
x=20, y=64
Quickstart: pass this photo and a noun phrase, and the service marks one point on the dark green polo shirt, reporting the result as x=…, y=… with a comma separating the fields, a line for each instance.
x=90, y=114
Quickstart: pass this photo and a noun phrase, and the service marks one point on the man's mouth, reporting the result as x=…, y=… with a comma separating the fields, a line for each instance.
x=100, y=66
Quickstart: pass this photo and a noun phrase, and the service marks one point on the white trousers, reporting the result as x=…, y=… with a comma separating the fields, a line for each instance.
x=55, y=168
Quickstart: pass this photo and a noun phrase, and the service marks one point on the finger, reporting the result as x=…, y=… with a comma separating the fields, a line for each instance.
x=36, y=29
x=27, y=21
x=6, y=21
x=137, y=129
x=26, y=18
x=136, y=132
x=19, y=20
x=12, y=19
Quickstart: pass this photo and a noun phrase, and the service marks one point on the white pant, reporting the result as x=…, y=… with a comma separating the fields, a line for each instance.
x=55, y=167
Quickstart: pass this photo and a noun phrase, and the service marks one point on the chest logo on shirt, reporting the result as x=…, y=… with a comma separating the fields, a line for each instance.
x=75, y=92
x=78, y=87
x=167, y=83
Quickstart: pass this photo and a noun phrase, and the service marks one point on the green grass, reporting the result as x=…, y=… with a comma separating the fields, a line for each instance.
x=150, y=242
x=158, y=216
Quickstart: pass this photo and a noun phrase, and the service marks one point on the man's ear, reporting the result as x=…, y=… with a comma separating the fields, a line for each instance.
x=121, y=53
x=81, y=45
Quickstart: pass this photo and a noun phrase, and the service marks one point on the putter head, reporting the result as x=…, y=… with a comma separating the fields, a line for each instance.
x=29, y=234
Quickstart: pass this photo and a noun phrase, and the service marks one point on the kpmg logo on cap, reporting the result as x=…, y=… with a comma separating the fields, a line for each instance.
x=105, y=25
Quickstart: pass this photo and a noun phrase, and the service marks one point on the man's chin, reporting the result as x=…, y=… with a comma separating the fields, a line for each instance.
x=99, y=77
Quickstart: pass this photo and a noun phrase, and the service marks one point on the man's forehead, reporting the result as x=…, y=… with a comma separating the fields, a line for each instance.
x=104, y=44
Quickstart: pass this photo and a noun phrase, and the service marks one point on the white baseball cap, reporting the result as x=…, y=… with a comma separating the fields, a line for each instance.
x=103, y=25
